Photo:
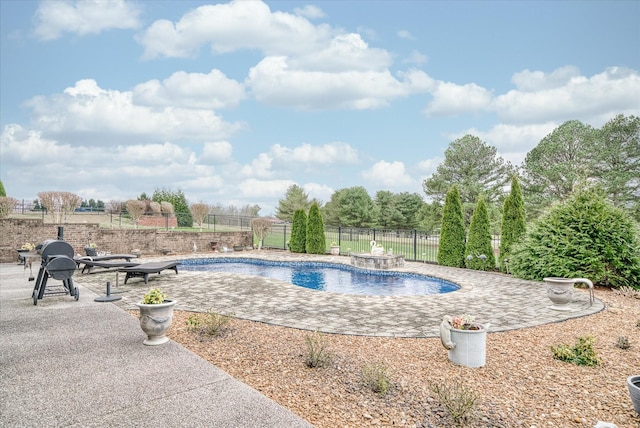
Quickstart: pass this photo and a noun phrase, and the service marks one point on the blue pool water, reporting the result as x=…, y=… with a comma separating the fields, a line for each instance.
x=333, y=277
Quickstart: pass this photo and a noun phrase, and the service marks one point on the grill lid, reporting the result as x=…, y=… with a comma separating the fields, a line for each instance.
x=55, y=247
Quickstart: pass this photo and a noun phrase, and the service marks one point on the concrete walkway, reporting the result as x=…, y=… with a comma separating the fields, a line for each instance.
x=505, y=302
x=83, y=364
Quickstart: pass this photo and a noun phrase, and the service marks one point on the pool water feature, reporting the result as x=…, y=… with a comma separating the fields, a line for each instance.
x=333, y=277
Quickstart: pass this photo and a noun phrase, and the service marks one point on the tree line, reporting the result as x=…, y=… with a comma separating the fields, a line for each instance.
x=573, y=153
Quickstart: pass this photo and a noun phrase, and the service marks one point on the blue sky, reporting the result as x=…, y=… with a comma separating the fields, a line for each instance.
x=233, y=102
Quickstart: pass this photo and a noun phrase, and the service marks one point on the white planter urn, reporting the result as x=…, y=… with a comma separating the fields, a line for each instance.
x=155, y=320
x=335, y=250
x=633, y=384
x=466, y=347
x=560, y=291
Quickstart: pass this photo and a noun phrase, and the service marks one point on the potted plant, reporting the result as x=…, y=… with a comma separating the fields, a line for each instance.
x=91, y=250
x=465, y=339
x=335, y=248
x=633, y=383
x=156, y=314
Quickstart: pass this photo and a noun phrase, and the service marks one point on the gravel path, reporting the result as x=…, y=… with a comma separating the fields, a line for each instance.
x=521, y=385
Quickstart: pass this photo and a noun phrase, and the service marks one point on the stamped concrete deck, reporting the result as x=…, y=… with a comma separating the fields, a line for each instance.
x=505, y=302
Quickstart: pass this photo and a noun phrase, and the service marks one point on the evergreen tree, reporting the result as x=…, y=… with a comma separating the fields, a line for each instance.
x=452, y=234
x=585, y=237
x=513, y=222
x=179, y=202
x=298, y=241
x=295, y=198
x=316, y=243
x=479, y=252
x=2, y=191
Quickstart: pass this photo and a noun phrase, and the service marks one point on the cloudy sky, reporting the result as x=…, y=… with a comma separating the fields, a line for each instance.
x=234, y=102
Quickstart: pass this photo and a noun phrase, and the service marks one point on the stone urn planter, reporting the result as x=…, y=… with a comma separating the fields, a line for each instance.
x=560, y=291
x=633, y=384
x=466, y=343
x=335, y=250
x=156, y=315
x=91, y=251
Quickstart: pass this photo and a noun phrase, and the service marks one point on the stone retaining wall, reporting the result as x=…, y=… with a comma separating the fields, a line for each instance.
x=150, y=242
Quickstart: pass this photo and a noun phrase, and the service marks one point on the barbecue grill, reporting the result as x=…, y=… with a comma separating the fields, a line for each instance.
x=57, y=263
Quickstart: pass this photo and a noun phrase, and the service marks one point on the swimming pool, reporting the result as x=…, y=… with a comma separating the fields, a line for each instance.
x=334, y=277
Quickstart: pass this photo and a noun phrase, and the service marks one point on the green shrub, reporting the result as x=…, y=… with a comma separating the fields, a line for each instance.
x=585, y=237
x=459, y=401
x=377, y=377
x=581, y=354
x=298, y=241
x=513, y=222
x=479, y=251
x=211, y=323
x=452, y=234
x=155, y=296
x=318, y=354
x=316, y=243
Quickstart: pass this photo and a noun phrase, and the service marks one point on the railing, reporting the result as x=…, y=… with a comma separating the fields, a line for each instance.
x=414, y=245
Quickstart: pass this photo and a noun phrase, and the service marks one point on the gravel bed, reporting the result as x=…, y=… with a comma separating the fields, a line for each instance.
x=522, y=385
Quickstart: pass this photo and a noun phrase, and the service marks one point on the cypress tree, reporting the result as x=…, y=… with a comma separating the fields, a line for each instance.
x=479, y=252
x=315, y=231
x=452, y=233
x=298, y=240
x=514, y=224
x=2, y=191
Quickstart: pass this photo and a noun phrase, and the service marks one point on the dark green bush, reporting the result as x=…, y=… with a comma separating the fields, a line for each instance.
x=479, y=251
x=452, y=233
x=584, y=237
x=513, y=222
x=316, y=243
x=298, y=241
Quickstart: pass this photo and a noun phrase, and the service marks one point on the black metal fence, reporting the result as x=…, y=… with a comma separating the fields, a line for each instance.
x=414, y=245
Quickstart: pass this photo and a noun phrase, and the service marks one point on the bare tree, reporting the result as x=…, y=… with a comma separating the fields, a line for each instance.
x=136, y=209
x=199, y=212
x=166, y=207
x=59, y=204
x=155, y=207
x=116, y=206
x=7, y=205
x=261, y=228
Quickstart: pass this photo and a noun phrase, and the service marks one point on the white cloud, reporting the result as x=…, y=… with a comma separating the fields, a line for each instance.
x=53, y=18
x=452, y=99
x=310, y=11
x=252, y=188
x=321, y=192
x=123, y=171
x=191, y=90
x=533, y=81
x=88, y=112
x=260, y=167
x=416, y=58
x=429, y=166
x=232, y=26
x=616, y=90
x=273, y=82
x=513, y=142
x=216, y=152
x=327, y=154
x=404, y=34
x=345, y=52
x=388, y=174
